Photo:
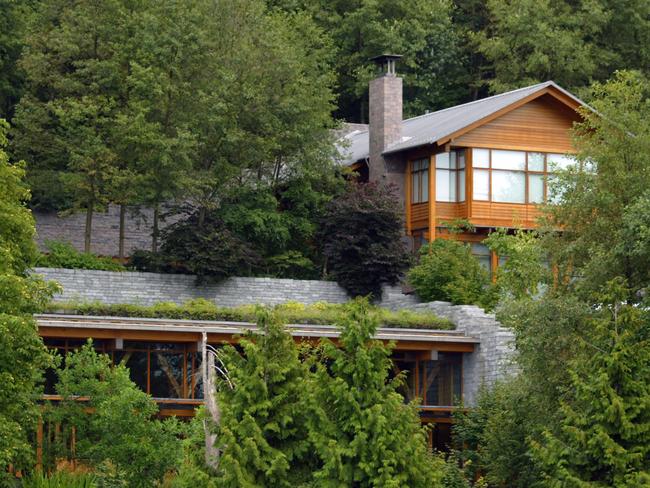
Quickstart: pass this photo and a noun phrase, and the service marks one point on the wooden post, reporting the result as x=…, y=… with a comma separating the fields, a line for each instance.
x=39, y=445
x=409, y=190
x=432, y=198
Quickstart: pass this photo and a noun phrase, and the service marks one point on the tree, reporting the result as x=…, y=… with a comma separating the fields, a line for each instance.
x=361, y=238
x=208, y=250
x=522, y=271
x=596, y=195
x=421, y=30
x=23, y=356
x=122, y=430
x=447, y=271
x=604, y=435
x=263, y=431
x=362, y=431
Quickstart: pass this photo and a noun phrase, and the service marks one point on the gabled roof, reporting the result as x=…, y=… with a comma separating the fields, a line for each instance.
x=439, y=127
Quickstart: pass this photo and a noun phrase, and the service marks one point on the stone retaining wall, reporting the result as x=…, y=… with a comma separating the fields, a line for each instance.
x=150, y=288
x=492, y=359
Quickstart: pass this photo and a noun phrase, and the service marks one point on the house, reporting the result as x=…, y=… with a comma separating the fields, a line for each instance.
x=165, y=355
x=487, y=161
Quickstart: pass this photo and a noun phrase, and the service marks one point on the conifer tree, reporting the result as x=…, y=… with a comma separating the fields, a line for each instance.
x=363, y=432
x=604, y=436
x=263, y=432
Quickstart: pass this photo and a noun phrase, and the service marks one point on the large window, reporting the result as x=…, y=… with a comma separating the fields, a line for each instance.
x=513, y=176
x=450, y=176
x=420, y=181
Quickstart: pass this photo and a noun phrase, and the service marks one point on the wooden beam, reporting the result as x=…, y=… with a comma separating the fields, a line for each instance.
x=408, y=197
x=432, y=197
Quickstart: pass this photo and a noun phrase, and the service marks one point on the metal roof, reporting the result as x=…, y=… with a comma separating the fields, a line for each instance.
x=429, y=128
x=238, y=328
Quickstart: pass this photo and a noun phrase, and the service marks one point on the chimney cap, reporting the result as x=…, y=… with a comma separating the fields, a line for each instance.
x=386, y=62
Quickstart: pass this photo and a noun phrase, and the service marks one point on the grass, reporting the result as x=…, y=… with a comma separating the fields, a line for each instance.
x=292, y=312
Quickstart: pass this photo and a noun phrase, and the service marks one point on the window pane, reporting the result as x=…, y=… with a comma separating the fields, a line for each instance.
x=461, y=186
x=445, y=185
x=483, y=254
x=461, y=158
x=166, y=375
x=535, y=161
x=508, y=187
x=415, y=197
x=559, y=161
x=442, y=160
x=424, y=197
x=508, y=160
x=481, y=184
x=136, y=362
x=481, y=158
x=536, y=188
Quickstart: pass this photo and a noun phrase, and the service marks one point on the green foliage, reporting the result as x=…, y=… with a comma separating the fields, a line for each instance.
x=60, y=479
x=448, y=271
x=605, y=189
x=64, y=255
x=122, y=435
x=206, y=248
x=263, y=433
x=361, y=429
x=523, y=274
x=295, y=313
x=22, y=354
x=604, y=434
x=361, y=234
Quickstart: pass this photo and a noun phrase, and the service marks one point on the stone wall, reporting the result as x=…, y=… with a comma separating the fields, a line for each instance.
x=105, y=229
x=493, y=358
x=150, y=288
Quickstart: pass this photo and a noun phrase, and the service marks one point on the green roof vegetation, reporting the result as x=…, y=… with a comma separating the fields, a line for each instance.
x=292, y=312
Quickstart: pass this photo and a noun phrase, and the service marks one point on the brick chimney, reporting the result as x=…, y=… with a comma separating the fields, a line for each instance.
x=385, y=103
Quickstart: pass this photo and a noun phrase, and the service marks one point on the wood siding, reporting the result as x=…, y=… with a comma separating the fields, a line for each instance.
x=540, y=125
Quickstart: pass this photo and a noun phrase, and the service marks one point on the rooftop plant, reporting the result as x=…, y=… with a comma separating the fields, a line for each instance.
x=292, y=312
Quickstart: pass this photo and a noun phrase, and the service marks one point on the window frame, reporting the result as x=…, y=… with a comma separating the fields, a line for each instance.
x=527, y=172
x=417, y=177
x=456, y=172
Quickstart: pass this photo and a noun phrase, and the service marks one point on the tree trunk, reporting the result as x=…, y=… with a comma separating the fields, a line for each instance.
x=89, y=225
x=212, y=453
x=120, y=251
x=154, y=233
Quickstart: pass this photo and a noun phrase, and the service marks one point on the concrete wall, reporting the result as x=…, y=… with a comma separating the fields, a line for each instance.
x=150, y=288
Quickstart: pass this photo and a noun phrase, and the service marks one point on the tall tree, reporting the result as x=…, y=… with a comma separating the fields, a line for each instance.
x=123, y=433
x=263, y=432
x=421, y=30
x=604, y=435
x=601, y=190
x=363, y=432
x=23, y=356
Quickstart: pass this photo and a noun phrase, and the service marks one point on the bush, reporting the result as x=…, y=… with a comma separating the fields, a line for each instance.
x=206, y=249
x=291, y=312
x=64, y=255
x=361, y=234
x=447, y=271
x=60, y=479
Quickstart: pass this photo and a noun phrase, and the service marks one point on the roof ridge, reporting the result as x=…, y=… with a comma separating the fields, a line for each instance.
x=546, y=83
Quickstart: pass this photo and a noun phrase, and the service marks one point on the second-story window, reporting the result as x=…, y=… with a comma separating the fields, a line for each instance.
x=450, y=176
x=420, y=181
x=513, y=176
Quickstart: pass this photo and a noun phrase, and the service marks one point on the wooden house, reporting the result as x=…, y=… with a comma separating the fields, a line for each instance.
x=488, y=161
